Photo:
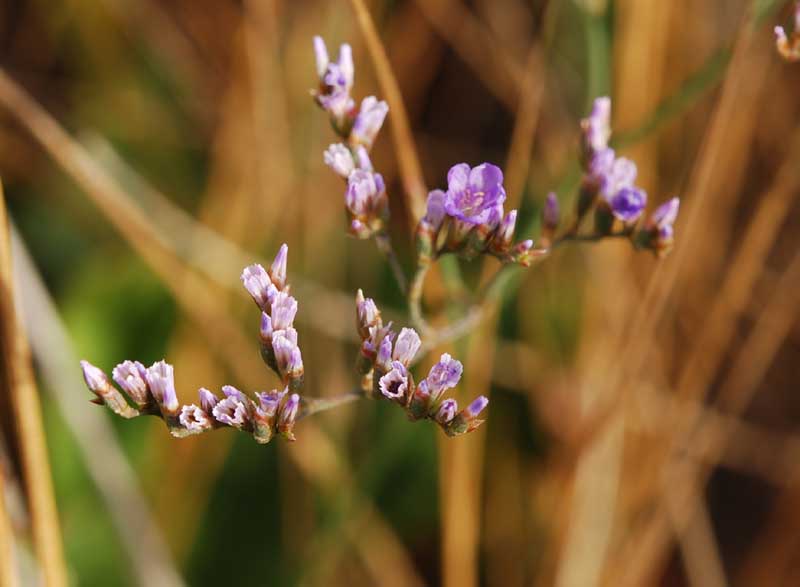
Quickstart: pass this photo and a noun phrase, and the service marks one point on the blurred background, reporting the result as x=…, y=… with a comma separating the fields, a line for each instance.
x=643, y=426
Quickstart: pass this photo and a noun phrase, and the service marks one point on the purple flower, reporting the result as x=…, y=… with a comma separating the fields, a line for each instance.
x=288, y=415
x=362, y=158
x=284, y=309
x=597, y=126
x=95, y=379
x=265, y=331
x=394, y=384
x=504, y=233
x=207, y=400
x=447, y=411
x=194, y=419
x=369, y=121
x=336, y=79
x=161, y=381
x=475, y=196
x=339, y=158
x=628, y=204
x=367, y=314
x=287, y=353
x=268, y=403
x=258, y=284
x=277, y=272
x=664, y=217
x=443, y=375
x=476, y=407
x=232, y=410
x=550, y=212
x=406, y=347
x=364, y=189
x=130, y=376
x=435, y=212
x=384, y=353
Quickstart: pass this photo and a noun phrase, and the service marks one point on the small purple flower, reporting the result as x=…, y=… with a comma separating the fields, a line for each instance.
x=207, y=400
x=394, y=384
x=265, y=331
x=447, y=411
x=550, y=212
x=95, y=379
x=475, y=196
x=369, y=121
x=435, y=213
x=284, y=309
x=664, y=217
x=362, y=158
x=367, y=314
x=194, y=419
x=384, y=353
x=287, y=353
x=258, y=284
x=130, y=376
x=336, y=79
x=597, y=126
x=161, y=381
x=504, y=233
x=628, y=204
x=232, y=410
x=363, y=192
x=407, y=345
x=288, y=415
x=277, y=272
x=443, y=375
x=339, y=158
x=476, y=407
x=268, y=403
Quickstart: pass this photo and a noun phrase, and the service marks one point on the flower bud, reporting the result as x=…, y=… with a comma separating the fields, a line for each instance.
x=161, y=382
x=368, y=122
x=130, y=376
x=107, y=394
x=287, y=417
x=194, y=419
x=467, y=419
x=259, y=285
x=277, y=272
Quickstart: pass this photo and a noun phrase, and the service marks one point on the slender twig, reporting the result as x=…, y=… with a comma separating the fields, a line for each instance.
x=311, y=406
x=415, y=299
x=407, y=157
x=384, y=243
x=19, y=384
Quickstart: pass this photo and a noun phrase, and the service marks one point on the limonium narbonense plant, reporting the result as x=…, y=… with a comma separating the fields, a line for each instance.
x=788, y=45
x=467, y=219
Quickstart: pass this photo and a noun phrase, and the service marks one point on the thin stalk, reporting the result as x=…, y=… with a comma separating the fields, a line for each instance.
x=415, y=300
x=19, y=385
x=384, y=242
x=311, y=406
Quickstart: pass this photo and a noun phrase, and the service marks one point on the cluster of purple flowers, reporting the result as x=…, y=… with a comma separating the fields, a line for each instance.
x=609, y=188
x=277, y=334
x=469, y=219
x=385, y=361
x=365, y=196
x=151, y=390
x=789, y=45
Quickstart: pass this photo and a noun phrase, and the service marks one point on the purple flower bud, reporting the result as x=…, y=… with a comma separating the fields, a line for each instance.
x=504, y=233
x=232, y=410
x=260, y=287
x=194, y=419
x=628, y=204
x=268, y=403
x=597, y=126
x=367, y=315
x=407, y=345
x=435, y=212
x=394, y=384
x=265, y=332
x=443, y=375
x=288, y=415
x=277, y=273
x=320, y=56
x=287, y=353
x=780, y=35
x=363, y=190
x=384, y=353
x=421, y=401
x=447, y=411
x=362, y=158
x=207, y=400
x=129, y=375
x=339, y=158
x=475, y=196
x=369, y=121
x=95, y=379
x=346, y=64
x=476, y=407
x=666, y=214
x=294, y=366
x=550, y=212
x=161, y=381
x=284, y=309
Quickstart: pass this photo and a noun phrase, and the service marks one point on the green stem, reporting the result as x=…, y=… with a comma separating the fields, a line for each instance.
x=311, y=406
x=415, y=299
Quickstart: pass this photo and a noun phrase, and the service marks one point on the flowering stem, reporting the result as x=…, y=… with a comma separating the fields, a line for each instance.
x=384, y=242
x=589, y=238
x=311, y=406
x=415, y=299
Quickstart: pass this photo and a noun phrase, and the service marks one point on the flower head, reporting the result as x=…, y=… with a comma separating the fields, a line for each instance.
x=394, y=384
x=96, y=380
x=288, y=415
x=207, y=400
x=277, y=272
x=407, y=345
x=339, y=158
x=446, y=412
x=367, y=314
x=664, y=217
x=364, y=190
x=130, y=376
x=233, y=410
x=259, y=285
x=369, y=121
x=284, y=309
x=435, y=209
x=475, y=196
x=628, y=204
x=443, y=375
x=194, y=419
x=597, y=126
x=336, y=79
x=161, y=381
